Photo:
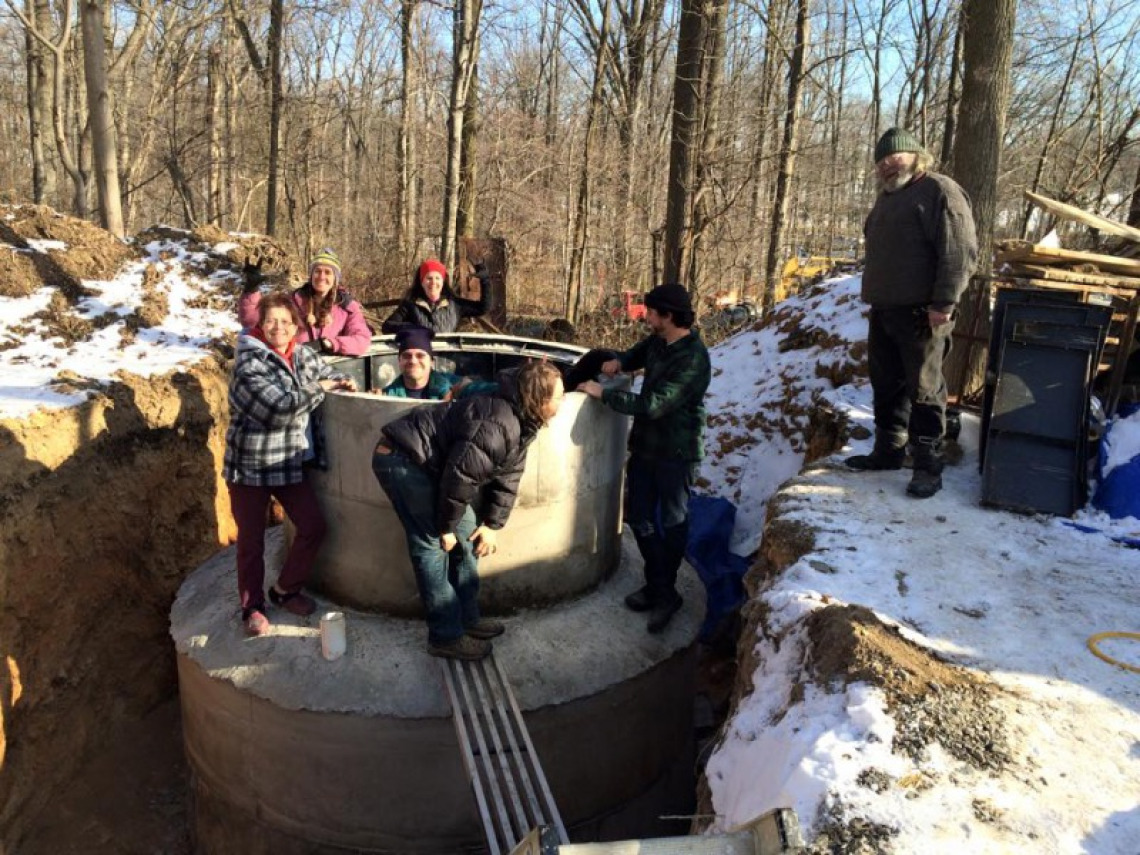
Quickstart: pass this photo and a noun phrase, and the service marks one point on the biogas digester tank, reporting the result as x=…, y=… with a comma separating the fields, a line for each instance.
x=290, y=753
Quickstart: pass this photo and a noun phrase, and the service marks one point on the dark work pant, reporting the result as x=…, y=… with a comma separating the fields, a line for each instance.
x=448, y=582
x=249, y=505
x=657, y=510
x=904, y=359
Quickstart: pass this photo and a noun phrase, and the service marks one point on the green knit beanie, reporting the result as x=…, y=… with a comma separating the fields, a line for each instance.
x=896, y=140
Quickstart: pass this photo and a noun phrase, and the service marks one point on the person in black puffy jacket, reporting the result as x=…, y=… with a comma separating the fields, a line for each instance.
x=433, y=463
x=431, y=303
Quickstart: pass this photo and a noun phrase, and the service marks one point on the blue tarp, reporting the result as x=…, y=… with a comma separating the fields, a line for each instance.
x=710, y=528
x=1118, y=492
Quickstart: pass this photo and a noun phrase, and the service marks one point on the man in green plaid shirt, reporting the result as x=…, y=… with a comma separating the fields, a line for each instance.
x=665, y=444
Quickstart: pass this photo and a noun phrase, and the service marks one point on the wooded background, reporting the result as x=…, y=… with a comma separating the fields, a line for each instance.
x=613, y=143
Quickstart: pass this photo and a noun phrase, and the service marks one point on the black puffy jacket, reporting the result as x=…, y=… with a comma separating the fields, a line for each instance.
x=470, y=447
x=442, y=317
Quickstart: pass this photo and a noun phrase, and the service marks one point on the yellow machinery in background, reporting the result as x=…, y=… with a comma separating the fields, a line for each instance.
x=803, y=270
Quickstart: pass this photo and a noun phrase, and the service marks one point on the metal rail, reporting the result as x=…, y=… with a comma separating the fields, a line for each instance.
x=510, y=788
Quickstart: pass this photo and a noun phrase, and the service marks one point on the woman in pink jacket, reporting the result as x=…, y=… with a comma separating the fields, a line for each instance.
x=332, y=321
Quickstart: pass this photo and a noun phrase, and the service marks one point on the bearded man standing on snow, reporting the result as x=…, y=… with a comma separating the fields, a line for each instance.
x=920, y=252
x=665, y=443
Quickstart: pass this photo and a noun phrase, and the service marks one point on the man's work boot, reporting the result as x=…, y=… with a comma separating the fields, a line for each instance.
x=927, y=477
x=880, y=459
x=640, y=600
x=662, y=612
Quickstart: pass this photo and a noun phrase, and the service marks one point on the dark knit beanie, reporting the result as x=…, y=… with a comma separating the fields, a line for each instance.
x=669, y=297
x=896, y=140
x=414, y=338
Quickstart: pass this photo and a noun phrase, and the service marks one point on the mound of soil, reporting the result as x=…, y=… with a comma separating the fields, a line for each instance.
x=91, y=253
x=259, y=259
x=932, y=700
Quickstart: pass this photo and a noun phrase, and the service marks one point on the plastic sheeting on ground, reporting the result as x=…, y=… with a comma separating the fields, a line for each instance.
x=711, y=521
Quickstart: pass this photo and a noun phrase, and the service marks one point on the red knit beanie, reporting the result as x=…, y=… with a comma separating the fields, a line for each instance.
x=432, y=266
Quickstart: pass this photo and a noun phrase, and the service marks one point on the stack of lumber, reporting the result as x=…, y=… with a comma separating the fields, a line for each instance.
x=1097, y=278
x=1023, y=260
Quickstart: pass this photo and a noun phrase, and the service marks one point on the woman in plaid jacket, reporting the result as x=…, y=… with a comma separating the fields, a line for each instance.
x=271, y=442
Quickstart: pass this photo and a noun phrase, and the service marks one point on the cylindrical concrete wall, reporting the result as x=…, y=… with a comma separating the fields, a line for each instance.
x=292, y=754
x=562, y=536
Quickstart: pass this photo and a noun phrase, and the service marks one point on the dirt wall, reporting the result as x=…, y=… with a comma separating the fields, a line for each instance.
x=103, y=510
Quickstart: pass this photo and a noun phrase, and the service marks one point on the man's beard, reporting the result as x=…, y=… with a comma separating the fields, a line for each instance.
x=898, y=181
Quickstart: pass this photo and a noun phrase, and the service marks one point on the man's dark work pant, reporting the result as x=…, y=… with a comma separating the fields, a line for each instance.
x=904, y=358
x=657, y=510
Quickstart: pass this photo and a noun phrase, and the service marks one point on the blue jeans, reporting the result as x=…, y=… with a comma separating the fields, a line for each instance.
x=657, y=510
x=448, y=582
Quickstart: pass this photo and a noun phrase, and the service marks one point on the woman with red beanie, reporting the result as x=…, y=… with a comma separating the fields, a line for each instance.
x=431, y=303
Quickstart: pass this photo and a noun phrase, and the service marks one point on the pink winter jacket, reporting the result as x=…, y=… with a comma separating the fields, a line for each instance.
x=346, y=329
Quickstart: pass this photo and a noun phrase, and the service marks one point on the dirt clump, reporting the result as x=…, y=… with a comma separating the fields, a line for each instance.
x=931, y=700
x=90, y=252
x=257, y=260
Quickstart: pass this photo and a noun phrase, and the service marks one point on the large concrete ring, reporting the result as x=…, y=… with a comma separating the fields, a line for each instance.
x=292, y=754
x=562, y=537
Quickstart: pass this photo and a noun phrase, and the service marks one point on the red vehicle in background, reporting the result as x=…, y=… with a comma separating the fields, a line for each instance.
x=627, y=306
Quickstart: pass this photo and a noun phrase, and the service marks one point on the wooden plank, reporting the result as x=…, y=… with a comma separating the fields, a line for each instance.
x=1062, y=275
x=1025, y=251
x=1033, y=282
x=1093, y=221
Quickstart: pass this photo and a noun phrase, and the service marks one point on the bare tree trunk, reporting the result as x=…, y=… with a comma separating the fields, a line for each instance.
x=787, y=154
x=406, y=147
x=276, y=33
x=953, y=97
x=777, y=10
x=468, y=174
x=101, y=120
x=684, y=138
x=987, y=55
x=214, y=89
x=553, y=83
x=465, y=52
x=39, y=102
x=712, y=77
x=836, y=129
x=582, y=216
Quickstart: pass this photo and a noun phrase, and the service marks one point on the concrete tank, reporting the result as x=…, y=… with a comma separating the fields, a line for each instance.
x=293, y=755
x=562, y=535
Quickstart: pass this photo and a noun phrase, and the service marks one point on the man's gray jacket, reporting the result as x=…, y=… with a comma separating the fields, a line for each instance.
x=920, y=244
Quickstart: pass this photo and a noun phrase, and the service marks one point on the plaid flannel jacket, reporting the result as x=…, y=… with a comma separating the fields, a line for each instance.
x=668, y=412
x=270, y=407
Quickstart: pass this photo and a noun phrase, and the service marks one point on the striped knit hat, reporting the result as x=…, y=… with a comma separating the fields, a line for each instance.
x=328, y=258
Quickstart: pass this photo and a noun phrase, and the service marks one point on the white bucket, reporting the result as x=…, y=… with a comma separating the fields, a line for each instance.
x=333, y=641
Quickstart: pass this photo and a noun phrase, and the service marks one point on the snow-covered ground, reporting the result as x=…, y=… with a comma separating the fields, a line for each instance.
x=32, y=360
x=1013, y=597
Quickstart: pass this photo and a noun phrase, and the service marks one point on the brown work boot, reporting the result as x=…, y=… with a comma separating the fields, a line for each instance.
x=486, y=628
x=465, y=647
